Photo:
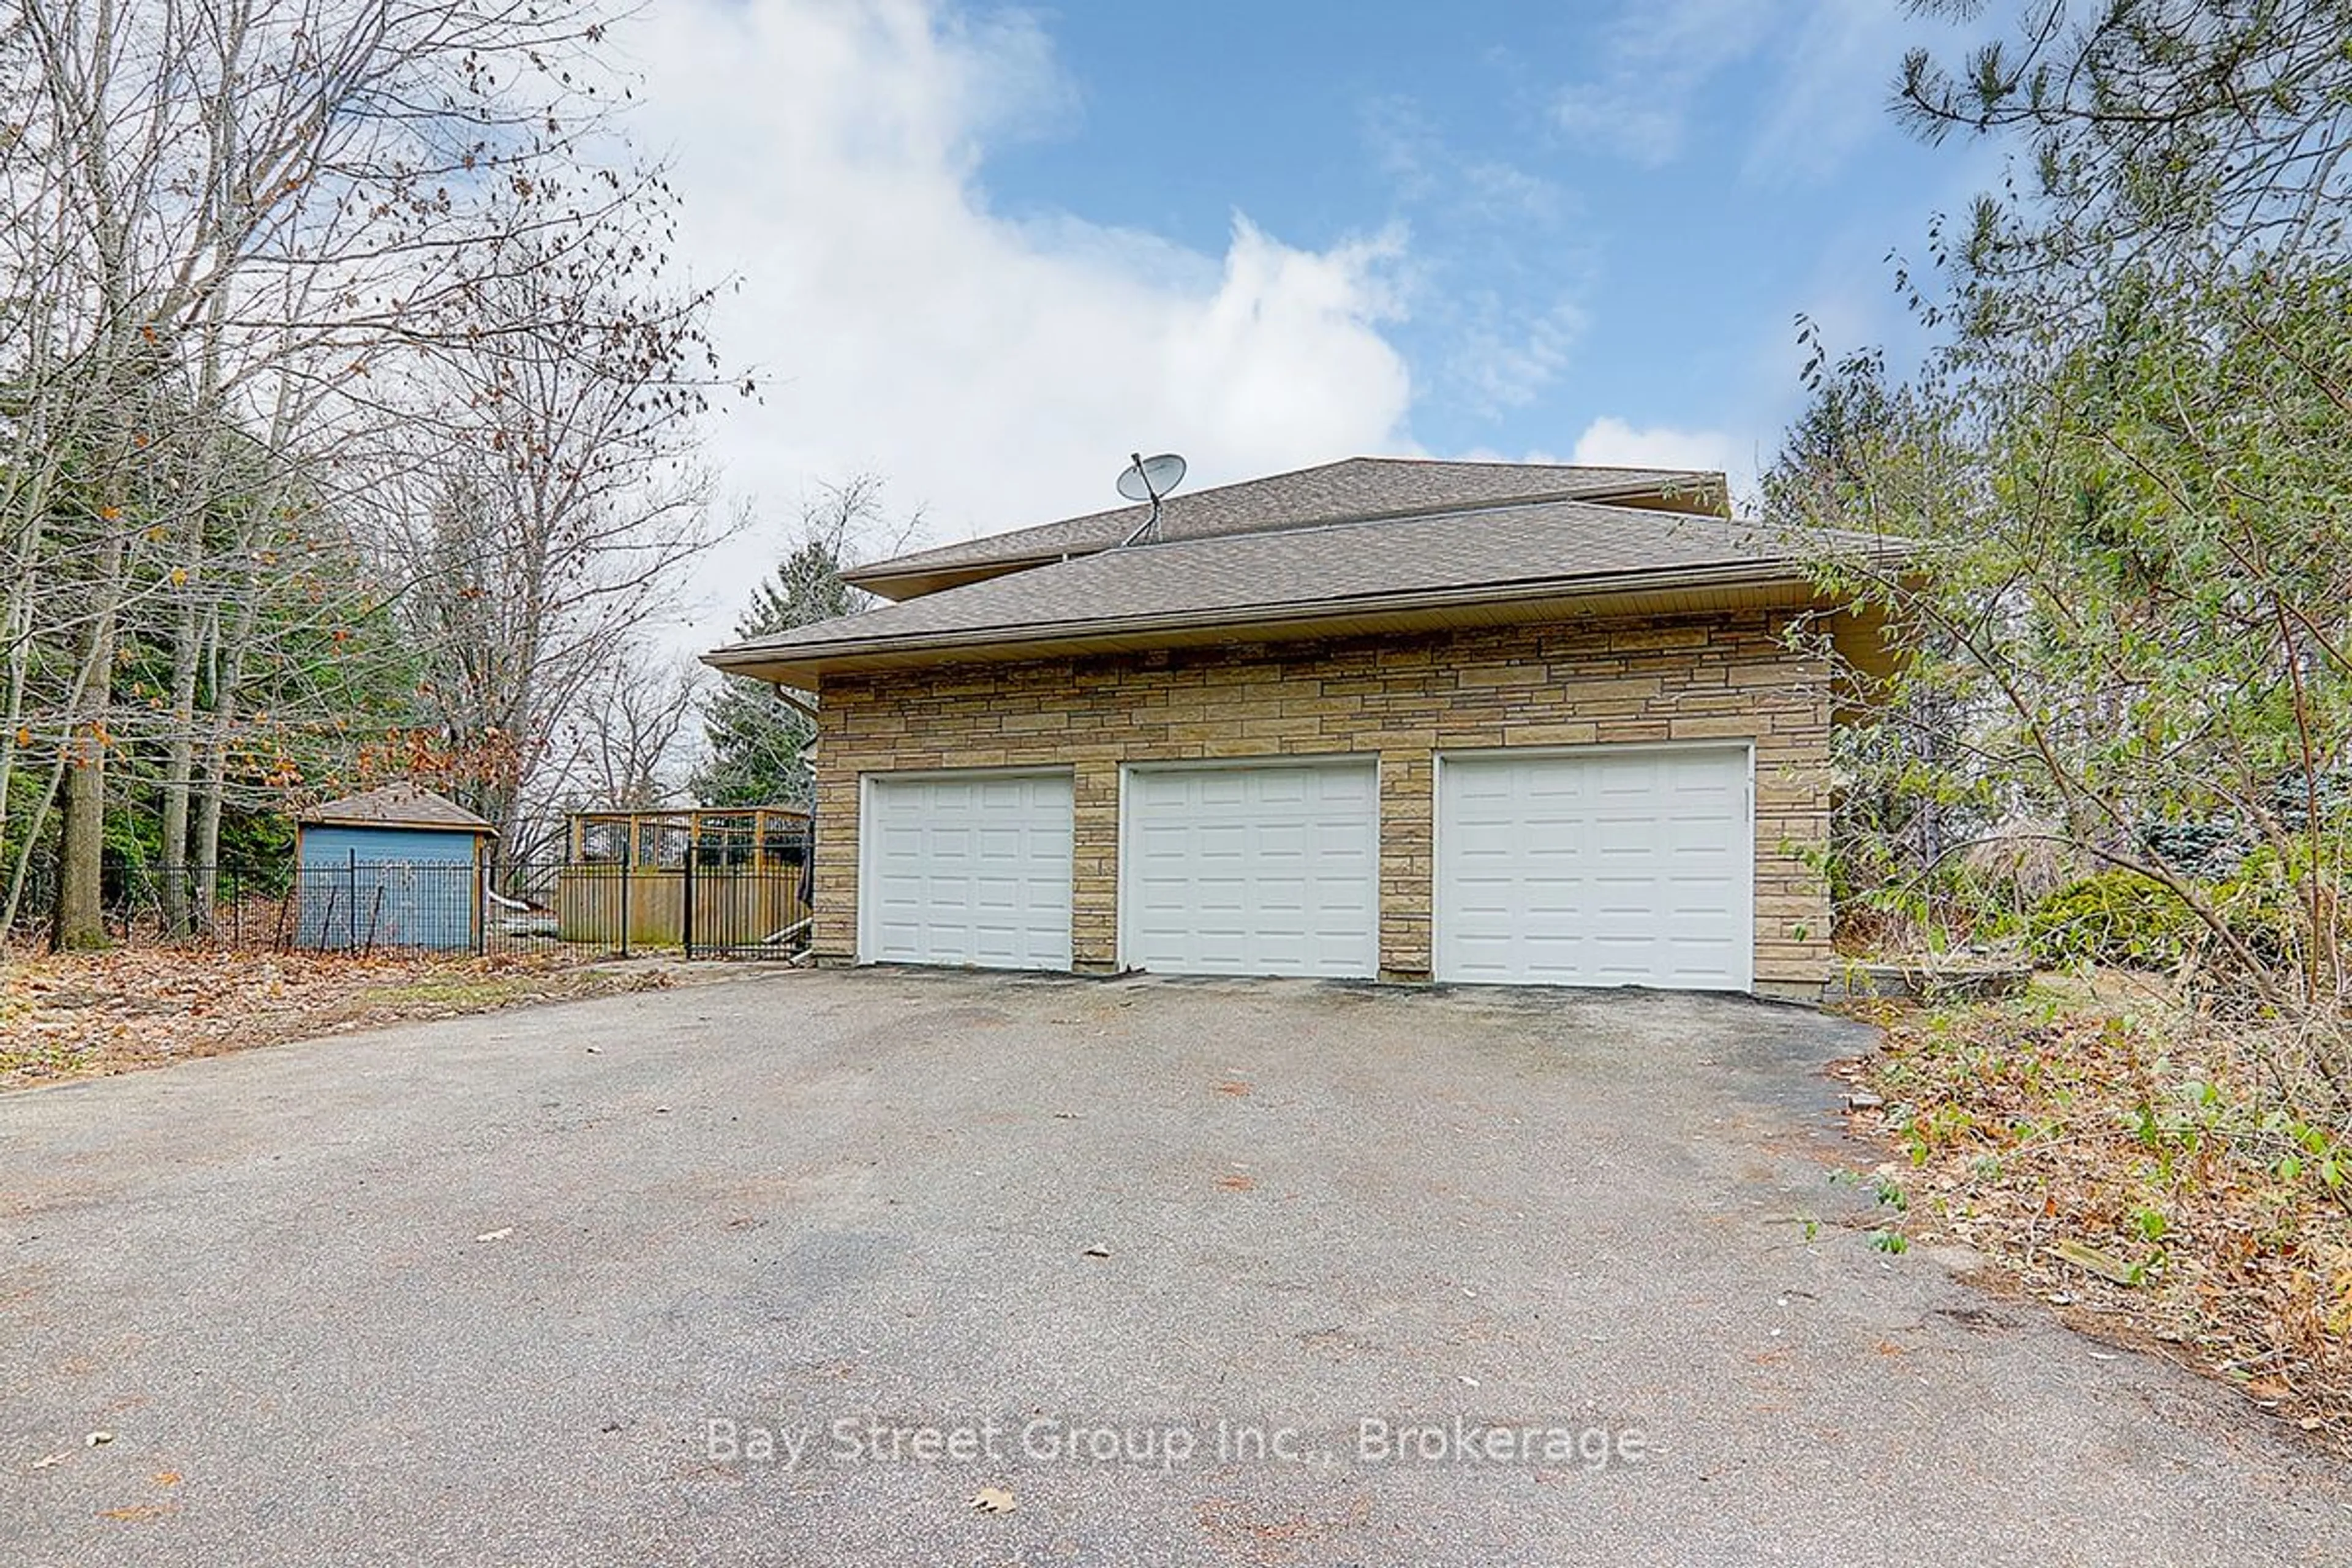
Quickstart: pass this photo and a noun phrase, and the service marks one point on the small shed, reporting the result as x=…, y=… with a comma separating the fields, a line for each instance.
x=397, y=865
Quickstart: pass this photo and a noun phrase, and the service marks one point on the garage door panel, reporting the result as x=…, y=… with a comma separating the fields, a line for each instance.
x=1268, y=869
x=1216, y=840
x=1282, y=840
x=968, y=871
x=1597, y=867
x=1277, y=896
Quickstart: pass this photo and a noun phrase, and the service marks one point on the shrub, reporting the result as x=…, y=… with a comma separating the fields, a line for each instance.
x=2266, y=904
x=2119, y=918
x=2124, y=919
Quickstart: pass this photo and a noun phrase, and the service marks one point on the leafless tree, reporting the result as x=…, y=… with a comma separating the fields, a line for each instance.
x=236, y=237
x=562, y=523
x=624, y=749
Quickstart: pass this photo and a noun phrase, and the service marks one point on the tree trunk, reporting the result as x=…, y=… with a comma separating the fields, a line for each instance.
x=190, y=633
x=81, y=836
x=215, y=781
x=16, y=629
x=37, y=820
x=179, y=766
x=80, y=920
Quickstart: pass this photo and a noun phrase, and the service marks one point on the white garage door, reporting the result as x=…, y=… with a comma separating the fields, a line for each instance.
x=1259, y=869
x=966, y=868
x=1629, y=866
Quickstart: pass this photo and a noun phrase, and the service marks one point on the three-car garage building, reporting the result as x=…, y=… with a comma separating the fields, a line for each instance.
x=1471, y=722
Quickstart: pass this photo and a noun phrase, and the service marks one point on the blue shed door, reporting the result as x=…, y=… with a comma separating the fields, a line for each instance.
x=388, y=887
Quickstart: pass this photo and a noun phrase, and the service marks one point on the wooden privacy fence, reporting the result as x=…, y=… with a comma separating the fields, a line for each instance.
x=752, y=911
x=728, y=880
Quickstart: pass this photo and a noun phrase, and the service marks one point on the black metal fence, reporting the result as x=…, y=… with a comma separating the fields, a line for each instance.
x=580, y=909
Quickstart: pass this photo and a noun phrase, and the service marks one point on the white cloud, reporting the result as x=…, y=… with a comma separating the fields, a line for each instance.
x=1835, y=75
x=1658, y=57
x=995, y=371
x=1503, y=357
x=1497, y=280
x=1479, y=192
x=1611, y=442
x=1824, y=68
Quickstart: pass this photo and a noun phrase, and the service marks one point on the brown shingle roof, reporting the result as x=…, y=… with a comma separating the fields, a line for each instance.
x=400, y=804
x=1352, y=489
x=1539, y=549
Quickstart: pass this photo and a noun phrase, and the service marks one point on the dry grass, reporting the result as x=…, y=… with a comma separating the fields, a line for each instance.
x=2026, y=861
x=2129, y=1171
x=85, y=1015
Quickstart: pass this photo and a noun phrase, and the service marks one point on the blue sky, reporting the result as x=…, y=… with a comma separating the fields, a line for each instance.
x=1632, y=202
x=984, y=251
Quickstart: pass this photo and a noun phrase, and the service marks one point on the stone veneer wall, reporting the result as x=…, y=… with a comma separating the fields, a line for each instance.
x=1400, y=696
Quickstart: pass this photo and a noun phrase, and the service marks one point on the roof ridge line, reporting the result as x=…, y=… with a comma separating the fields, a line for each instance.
x=1476, y=509
x=1522, y=463
x=1544, y=498
x=1108, y=512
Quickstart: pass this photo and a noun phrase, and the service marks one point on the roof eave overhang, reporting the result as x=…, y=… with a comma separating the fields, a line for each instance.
x=1695, y=590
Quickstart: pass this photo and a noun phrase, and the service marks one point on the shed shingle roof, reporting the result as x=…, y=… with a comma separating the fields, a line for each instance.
x=1355, y=488
x=400, y=804
x=1541, y=549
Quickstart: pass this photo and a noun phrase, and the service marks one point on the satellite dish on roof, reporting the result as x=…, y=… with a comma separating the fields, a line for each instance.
x=1148, y=479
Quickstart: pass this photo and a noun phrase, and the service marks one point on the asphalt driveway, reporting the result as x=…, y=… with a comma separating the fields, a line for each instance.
x=785, y=1269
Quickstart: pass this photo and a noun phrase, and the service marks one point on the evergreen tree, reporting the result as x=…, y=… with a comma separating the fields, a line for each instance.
x=2127, y=639
x=758, y=742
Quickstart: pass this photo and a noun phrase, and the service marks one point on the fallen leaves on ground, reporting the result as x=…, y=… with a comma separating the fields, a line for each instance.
x=2129, y=1169
x=84, y=1015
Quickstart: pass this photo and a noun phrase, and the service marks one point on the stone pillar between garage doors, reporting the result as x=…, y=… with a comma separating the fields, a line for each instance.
x=1408, y=864
x=1094, y=865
